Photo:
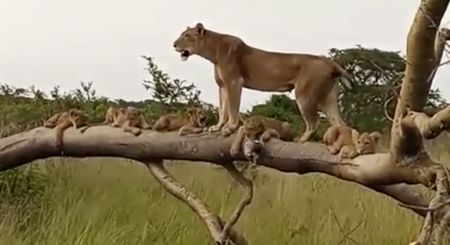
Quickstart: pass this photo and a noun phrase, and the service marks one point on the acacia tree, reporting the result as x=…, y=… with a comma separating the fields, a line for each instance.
x=392, y=173
x=377, y=74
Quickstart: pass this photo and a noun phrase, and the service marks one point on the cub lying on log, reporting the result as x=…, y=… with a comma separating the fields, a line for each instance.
x=348, y=142
x=193, y=121
x=63, y=120
x=130, y=119
x=263, y=129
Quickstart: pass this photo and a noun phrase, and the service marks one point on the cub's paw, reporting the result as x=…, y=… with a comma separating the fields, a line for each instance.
x=214, y=128
x=333, y=150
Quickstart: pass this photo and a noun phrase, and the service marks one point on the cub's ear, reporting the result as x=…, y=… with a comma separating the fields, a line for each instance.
x=199, y=28
x=375, y=136
x=190, y=110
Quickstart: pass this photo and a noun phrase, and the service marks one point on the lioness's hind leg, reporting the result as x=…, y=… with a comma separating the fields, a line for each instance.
x=330, y=107
x=309, y=113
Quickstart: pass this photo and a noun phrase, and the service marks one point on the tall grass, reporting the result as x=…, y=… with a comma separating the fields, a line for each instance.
x=116, y=201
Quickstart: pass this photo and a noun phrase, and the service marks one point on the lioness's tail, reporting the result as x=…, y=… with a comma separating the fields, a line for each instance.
x=341, y=72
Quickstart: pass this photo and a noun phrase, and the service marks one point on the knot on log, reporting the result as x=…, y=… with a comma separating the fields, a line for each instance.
x=252, y=149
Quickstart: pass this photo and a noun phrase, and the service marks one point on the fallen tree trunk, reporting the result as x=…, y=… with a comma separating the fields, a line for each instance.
x=39, y=143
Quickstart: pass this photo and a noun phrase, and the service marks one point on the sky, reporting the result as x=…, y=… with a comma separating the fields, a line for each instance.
x=47, y=43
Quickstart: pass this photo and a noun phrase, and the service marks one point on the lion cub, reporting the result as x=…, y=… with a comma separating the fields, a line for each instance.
x=63, y=120
x=348, y=142
x=193, y=121
x=114, y=116
x=261, y=128
x=130, y=119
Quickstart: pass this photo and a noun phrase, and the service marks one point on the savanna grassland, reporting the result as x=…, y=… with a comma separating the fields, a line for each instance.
x=116, y=201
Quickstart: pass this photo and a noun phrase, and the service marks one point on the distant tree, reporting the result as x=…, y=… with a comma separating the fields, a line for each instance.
x=167, y=91
x=377, y=75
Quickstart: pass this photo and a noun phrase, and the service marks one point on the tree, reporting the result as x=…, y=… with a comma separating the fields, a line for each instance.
x=393, y=173
x=377, y=75
x=167, y=91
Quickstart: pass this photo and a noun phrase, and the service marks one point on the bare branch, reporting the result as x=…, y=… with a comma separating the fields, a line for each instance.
x=439, y=206
x=429, y=127
x=212, y=221
x=246, y=200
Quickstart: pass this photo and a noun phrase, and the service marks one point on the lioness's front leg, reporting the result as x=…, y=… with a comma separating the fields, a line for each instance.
x=234, y=91
x=223, y=111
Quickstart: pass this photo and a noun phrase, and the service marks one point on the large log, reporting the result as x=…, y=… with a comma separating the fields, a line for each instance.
x=292, y=157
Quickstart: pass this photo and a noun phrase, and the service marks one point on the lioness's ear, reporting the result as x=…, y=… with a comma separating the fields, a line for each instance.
x=375, y=136
x=200, y=29
x=355, y=135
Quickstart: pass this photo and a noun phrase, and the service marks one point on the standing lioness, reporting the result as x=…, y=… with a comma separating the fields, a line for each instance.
x=238, y=65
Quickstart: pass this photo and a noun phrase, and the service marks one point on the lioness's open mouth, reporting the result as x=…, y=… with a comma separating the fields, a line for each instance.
x=185, y=54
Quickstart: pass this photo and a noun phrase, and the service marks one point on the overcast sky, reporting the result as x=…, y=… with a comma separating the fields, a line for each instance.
x=60, y=42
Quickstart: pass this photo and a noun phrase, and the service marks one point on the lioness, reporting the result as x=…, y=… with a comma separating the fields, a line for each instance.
x=238, y=65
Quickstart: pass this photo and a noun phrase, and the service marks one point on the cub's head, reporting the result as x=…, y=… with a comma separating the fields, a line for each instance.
x=133, y=114
x=78, y=116
x=365, y=143
x=254, y=127
x=197, y=116
x=190, y=41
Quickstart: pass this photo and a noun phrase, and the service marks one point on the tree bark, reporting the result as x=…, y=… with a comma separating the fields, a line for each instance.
x=420, y=59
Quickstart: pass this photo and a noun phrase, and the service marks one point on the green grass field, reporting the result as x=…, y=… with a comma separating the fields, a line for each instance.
x=116, y=201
